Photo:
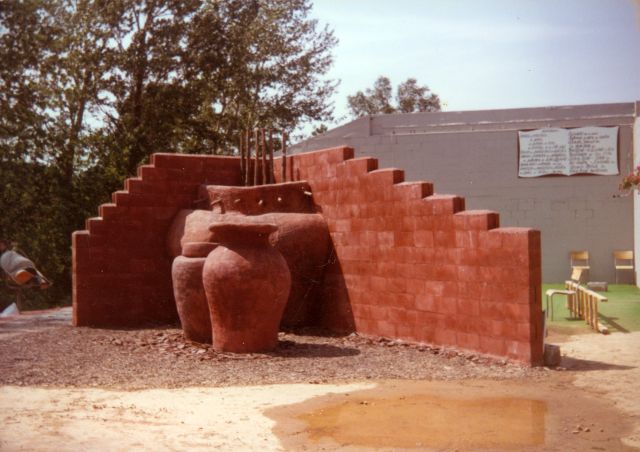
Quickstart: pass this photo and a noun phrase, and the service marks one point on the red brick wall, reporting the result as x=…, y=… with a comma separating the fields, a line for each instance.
x=407, y=264
x=415, y=265
x=121, y=268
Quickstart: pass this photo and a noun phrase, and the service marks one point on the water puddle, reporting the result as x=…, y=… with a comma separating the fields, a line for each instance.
x=421, y=420
x=402, y=415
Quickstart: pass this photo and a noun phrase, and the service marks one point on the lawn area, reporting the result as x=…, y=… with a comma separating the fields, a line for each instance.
x=620, y=314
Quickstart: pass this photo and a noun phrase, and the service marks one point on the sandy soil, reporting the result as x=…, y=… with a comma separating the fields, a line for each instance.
x=609, y=367
x=67, y=388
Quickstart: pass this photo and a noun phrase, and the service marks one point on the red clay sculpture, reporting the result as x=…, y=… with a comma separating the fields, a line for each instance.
x=247, y=283
x=188, y=291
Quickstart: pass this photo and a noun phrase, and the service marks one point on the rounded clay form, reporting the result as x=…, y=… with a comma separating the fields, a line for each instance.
x=247, y=283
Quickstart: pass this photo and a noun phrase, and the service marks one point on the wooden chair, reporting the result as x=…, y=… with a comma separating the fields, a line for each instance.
x=579, y=260
x=576, y=275
x=623, y=260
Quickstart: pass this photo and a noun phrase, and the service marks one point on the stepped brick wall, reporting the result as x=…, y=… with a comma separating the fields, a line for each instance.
x=415, y=265
x=121, y=267
x=407, y=263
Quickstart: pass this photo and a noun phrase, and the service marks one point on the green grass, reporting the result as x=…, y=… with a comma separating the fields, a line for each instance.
x=620, y=314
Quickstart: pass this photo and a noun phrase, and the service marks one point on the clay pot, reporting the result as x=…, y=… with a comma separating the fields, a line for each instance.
x=188, y=291
x=303, y=240
x=247, y=283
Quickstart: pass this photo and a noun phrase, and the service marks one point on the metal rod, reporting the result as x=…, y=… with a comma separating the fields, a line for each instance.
x=264, y=158
x=256, y=161
x=242, y=171
x=284, y=156
x=270, y=156
x=247, y=174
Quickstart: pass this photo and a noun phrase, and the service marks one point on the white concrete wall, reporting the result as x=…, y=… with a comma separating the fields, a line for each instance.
x=475, y=154
x=636, y=196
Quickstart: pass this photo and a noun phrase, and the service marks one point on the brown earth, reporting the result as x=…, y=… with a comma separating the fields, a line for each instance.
x=67, y=388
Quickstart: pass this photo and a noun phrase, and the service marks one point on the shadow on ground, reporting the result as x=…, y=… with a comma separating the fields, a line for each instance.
x=577, y=364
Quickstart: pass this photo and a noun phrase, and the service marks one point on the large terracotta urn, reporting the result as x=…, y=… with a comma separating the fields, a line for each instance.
x=247, y=283
x=188, y=291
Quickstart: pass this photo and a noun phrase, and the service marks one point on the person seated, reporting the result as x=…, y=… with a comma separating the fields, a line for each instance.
x=20, y=270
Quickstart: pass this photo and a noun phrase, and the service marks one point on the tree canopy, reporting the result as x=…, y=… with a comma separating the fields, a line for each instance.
x=410, y=97
x=90, y=88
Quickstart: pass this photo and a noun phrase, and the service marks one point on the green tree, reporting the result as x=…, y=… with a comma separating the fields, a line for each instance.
x=26, y=37
x=410, y=97
x=195, y=73
x=90, y=88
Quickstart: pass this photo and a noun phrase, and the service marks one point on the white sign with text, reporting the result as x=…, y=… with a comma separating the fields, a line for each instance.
x=585, y=150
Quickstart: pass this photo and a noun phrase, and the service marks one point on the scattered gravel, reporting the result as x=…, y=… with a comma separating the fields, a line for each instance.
x=47, y=351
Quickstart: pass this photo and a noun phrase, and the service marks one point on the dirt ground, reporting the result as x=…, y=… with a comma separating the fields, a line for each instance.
x=65, y=388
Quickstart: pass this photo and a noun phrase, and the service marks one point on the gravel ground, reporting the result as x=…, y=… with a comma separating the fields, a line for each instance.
x=44, y=349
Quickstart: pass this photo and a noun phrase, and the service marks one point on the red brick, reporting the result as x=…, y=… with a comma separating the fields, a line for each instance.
x=497, y=328
x=406, y=191
x=468, y=341
x=426, y=302
x=336, y=155
x=491, y=310
x=107, y=211
x=491, y=239
x=468, y=306
x=396, y=284
x=385, y=328
x=480, y=220
x=444, y=337
x=182, y=161
x=415, y=286
x=520, y=351
x=360, y=166
x=515, y=312
x=426, y=334
x=469, y=274
x=404, y=238
x=402, y=300
x=423, y=238
x=435, y=288
x=406, y=332
x=444, y=204
x=515, y=238
x=385, y=177
x=445, y=272
x=465, y=323
x=470, y=289
x=481, y=326
x=518, y=331
x=361, y=311
x=408, y=223
x=444, y=239
x=120, y=198
x=493, y=346
x=95, y=225
x=418, y=271
x=401, y=316
x=467, y=239
x=447, y=305
x=80, y=239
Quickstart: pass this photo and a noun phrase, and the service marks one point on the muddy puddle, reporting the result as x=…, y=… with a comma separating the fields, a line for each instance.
x=430, y=421
x=409, y=415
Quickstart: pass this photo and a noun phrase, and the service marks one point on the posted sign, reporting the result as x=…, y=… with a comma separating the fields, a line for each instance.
x=590, y=150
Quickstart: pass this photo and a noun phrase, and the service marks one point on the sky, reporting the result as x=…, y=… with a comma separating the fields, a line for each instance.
x=488, y=54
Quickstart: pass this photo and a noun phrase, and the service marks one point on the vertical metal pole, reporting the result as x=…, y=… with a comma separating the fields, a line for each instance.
x=264, y=158
x=284, y=156
x=242, y=170
x=256, y=161
x=270, y=156
x=247, y=174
